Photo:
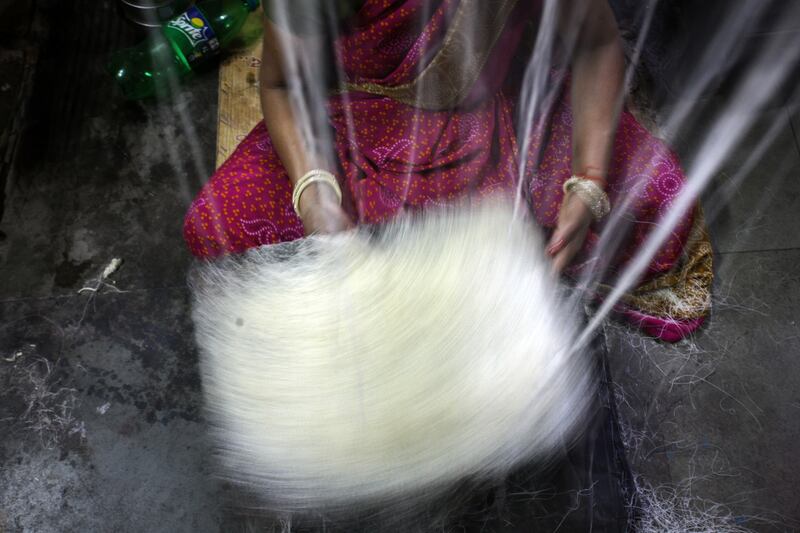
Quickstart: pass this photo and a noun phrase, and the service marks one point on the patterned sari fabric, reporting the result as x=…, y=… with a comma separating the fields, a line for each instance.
x=420, y=126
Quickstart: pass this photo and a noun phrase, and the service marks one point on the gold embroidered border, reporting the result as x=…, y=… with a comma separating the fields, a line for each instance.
x=455, y=68
x=685, y=291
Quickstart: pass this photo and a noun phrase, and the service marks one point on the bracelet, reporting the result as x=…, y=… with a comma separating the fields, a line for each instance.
x=591, y=194
x=594, y=174
x=599, y=180
x=310, y=177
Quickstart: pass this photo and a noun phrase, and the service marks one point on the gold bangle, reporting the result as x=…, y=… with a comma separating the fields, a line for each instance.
x=310, y=177
x=590, y=194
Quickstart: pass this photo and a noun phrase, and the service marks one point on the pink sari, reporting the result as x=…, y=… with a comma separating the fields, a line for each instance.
x=395, y=156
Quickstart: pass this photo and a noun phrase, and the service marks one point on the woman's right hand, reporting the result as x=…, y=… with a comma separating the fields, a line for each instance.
x=321, y=212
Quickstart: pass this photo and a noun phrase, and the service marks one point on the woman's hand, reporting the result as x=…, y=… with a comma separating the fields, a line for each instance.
x=574, y=219
x=321, y=212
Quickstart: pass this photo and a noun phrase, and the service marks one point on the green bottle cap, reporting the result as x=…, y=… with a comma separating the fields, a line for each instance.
x=252, y=5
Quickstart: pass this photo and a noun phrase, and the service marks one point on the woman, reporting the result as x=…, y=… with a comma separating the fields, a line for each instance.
x=422, y=111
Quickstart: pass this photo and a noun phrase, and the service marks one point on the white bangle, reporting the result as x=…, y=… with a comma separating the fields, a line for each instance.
x=310, y=177
x=590, y=194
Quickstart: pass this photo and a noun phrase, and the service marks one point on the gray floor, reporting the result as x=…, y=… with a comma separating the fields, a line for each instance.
x=99, y=393
x=114, y=439
x=716, y=418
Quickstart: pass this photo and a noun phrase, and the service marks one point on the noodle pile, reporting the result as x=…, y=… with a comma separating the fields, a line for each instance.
x=374, y=366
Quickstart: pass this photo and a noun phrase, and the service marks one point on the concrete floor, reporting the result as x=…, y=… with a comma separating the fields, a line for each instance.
x=716, y=417
x=114, y=440
x=99, y=178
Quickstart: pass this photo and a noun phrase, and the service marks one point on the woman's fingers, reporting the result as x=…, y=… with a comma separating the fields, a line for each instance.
x=564, y=257
x=556, y=245
x=326, y=218
x=569, y=223
x=567, y=240
x=561, y=236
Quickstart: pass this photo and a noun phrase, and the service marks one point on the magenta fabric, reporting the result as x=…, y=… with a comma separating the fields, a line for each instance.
x=386, y=42
x=399, y=157
x=664, y=328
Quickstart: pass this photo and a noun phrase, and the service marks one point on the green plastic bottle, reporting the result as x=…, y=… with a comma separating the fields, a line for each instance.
x=181, y=46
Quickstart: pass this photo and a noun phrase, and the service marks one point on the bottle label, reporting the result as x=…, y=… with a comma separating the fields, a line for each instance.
x=198, y=39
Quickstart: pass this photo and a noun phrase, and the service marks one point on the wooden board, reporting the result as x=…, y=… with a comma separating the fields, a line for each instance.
x=239, y=104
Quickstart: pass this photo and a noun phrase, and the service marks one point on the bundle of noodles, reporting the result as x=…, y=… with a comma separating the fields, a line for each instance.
x=365, y=367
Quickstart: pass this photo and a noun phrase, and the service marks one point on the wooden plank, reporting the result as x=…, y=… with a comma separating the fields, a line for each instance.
x=239, y=104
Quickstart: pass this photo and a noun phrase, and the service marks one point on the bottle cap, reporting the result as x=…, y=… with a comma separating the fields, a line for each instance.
x=252, y=5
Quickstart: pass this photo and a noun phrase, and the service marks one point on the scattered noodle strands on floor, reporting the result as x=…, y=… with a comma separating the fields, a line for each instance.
x=668, y=509
x=109, y=269
x=49, y=409
x=356, y=368
x=100, y=283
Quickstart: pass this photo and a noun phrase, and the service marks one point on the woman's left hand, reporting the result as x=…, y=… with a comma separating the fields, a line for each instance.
x=574, y=219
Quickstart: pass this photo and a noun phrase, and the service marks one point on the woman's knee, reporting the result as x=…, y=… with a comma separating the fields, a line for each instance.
x=195, y=229
x=204, y=228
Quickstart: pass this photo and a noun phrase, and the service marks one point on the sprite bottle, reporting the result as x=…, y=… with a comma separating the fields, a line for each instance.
x=181, y=46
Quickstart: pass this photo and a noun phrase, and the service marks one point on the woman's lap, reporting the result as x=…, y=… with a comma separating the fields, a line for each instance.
x=247, y=202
